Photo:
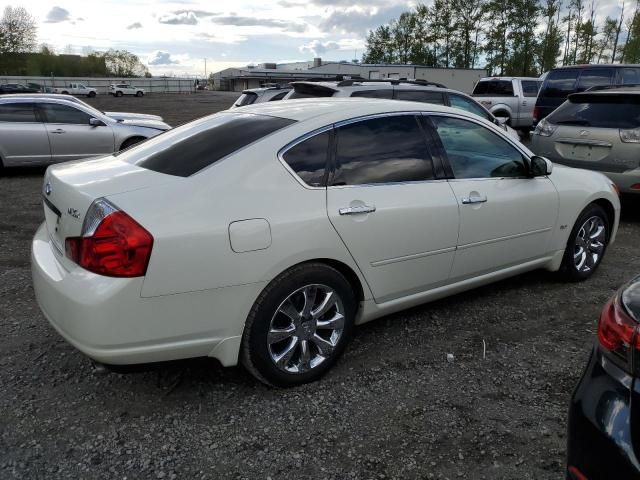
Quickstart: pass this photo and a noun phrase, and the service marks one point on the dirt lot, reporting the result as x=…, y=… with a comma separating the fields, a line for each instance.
x=392, y=408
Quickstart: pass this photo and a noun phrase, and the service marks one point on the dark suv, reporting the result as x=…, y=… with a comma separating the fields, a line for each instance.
x=560, y=82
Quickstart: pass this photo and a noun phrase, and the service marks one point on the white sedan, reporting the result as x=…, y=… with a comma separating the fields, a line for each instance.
x=264, y=234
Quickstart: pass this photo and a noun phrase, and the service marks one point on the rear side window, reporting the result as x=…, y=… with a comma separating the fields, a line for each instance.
x=530, y=88
x=17, y=112
x=601, y=111
x=311, y=91
x=494, y=88
x=381, y=150
x=186, y=150
x=475, y=152
x=308, y=159
x=593, y=77
x=559, y=83
x=246, y=99
x=424, y=96
x=385, y=93
x=629, y=75
x=279, y=96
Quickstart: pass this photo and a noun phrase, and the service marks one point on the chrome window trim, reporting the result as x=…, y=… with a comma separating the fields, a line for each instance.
x=500, y=134
x=295, y=142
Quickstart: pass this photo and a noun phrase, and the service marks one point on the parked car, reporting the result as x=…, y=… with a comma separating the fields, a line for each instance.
x=120, y=89
x=16, y=88
x=509, y=97
x=602, y=441
x=239, y=236
x=76, y=89
x=415, y=91
x=596, y=130
x=39, y=131
x=260, y=95
x=559, y=83
x=114, y=115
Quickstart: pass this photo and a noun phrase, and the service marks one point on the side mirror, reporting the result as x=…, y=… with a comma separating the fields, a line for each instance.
x=501, y=120
x=94, y=122
x=540, y=166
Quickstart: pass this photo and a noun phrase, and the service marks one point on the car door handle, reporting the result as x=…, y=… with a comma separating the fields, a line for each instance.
x=524, y=104
x=474, y=199
x=356, y=210
x=58, y=131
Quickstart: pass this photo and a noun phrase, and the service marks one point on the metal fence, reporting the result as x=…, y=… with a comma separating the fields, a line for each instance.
x=150, y=85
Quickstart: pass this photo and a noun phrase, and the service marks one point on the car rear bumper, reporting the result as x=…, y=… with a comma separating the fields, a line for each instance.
x=600, y=444
x=108, y=320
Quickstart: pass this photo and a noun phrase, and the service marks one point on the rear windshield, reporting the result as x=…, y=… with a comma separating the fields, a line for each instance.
x=188, y=149
x=246, y=99
x=598, y=111
x=311, y=91
x=495, y=88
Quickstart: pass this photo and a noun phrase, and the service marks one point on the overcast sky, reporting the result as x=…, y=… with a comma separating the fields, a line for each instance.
x=176, y=36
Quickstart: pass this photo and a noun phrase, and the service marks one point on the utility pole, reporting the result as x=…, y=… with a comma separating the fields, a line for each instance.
x=205, y=69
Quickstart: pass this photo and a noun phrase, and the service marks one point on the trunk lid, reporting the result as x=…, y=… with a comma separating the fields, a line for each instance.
x=70, y=188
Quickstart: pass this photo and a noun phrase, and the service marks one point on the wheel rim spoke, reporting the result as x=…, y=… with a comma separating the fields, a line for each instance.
x=279, y=334
x=283, y=359
x=589, y=244
x=309, y=294
x=327, y=304
x=305, y=357
x=334, y=323
x=324, y=346
x=288, y=309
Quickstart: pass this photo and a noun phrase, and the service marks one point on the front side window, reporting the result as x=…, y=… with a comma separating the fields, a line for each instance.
x=424, y=96
x=593, y=77
x=458, y=101
x=308, y=159
x=381, y=150
x=475, y=152
x=187, y=149
x=530, y=88
x=383, y=93
x=17, y=112
x=55, y=113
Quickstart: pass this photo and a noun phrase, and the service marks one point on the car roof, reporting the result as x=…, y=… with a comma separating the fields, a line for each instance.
x=338, y=109
x=598, y=65
x=265, y=89
x=60, y=96
x=488, y=79
x=359, y=85
x=31, y=98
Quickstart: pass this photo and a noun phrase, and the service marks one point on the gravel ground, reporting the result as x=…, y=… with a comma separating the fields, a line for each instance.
x=393, y=407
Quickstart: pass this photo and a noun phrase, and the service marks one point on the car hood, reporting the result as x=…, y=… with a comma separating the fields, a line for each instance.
x=156, y=124
x=133, y=116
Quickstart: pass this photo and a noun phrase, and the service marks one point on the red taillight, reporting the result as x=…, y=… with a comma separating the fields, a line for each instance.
x=119, y=247
x=536, y=114
x=617, y=331
x=576, y=474
x=635, y=186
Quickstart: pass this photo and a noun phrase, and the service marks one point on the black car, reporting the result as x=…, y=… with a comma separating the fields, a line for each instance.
x=560, y=82
x=604, y=416
x=16, y=88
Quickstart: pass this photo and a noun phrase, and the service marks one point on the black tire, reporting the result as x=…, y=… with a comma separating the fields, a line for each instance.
x=91, y=94
x=255, y=352
x=64, y=92
x=130, y=142
x=118, y=94
x=139, y=94
x=569, y=269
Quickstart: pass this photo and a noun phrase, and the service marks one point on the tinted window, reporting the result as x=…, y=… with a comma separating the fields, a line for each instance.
x=592, y=77
x=55, y=113
x=17, y=112
x=530, y=88
x=458, y=101
x=495, y=88
x=381, y=150
x=246, y=99
x=279, y=96
x=420, y=96
x=309, y=159
x=630, y=75
x=188, y=149
x=559, y=83
x=476, y=152
x=311, y=91
x=386, y=93
x=610, y=111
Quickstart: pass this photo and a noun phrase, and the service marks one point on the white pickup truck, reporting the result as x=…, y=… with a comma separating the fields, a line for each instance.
x=76, y=89
x=509, y=97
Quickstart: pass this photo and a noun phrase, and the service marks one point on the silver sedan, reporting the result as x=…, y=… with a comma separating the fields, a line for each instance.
x=40, y=131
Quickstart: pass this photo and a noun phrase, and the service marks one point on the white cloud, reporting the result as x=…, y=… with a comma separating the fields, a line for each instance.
x=159, y=57
x=183, y=18
x=57, y=15
x=134, y=25
x=317, y=48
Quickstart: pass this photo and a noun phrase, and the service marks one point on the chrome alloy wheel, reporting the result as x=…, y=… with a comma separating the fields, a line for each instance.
x=589, y=245
x=306, y=328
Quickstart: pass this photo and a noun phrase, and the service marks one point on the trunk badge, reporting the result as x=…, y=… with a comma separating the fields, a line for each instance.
x=47, y=189
x=584, y=133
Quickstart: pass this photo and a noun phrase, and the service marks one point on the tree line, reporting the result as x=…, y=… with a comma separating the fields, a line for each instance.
x=21, y=55
x=507, y=37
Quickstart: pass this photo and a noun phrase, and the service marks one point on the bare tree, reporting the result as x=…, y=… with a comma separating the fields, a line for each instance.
x=17, y=31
